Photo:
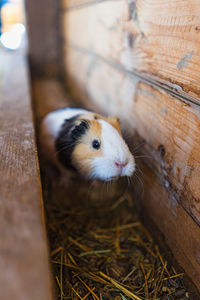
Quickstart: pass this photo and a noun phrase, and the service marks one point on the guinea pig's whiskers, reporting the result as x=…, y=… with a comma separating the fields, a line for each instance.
x=139, y=170
x=90, y=189
x=143, y=156
x=138, y=147
x=105, y=185
x=64, y=148
x=128, y=180
x=139, y=181
x=101, y=190
x=136, y=172
x=110, y=185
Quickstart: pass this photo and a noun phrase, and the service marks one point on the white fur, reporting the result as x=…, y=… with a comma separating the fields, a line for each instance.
x=53, y=121
x=50, y=127
x=114, y=150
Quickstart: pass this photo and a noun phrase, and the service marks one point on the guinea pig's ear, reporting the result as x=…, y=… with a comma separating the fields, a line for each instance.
x=115, y=122
x=79, y=129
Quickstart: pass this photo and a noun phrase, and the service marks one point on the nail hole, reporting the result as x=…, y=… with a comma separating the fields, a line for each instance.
x=161, y=149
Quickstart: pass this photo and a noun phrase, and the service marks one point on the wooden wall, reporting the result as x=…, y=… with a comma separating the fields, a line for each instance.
x=43, y=26
x=140, y=60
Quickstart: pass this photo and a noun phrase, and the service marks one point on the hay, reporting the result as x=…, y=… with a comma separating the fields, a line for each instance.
x=105, y=253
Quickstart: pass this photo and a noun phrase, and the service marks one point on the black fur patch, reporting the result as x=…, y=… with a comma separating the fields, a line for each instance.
x=67, y=139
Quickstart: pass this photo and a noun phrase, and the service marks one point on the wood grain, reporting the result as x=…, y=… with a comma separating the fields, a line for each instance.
x=140, y=60
x=151, y=111
x=24, y=264
x=102, y=26
x=167, y=41
x=170, y=129
x=160, y=41
x=180, y=232
x=74, y=4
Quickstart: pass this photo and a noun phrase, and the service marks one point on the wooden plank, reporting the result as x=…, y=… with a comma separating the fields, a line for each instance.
x=48, y=95
x=44, y=36
x=114, y=92
x=167, y=41
x=101, y=32
x=159, y=42
x=73, y=4
x=170, y=129
x=24, y=263
x=180, y=232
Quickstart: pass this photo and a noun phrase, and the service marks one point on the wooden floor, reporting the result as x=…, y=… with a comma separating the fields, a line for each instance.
x=24, y=267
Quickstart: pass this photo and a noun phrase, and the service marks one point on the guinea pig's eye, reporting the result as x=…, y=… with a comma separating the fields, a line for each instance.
x=96, y=144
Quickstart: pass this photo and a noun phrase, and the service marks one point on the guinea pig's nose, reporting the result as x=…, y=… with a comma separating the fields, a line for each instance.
x=120, y=165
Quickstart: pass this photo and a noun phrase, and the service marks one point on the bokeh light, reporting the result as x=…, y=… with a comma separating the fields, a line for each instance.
x=12, y=39
x=12, y=24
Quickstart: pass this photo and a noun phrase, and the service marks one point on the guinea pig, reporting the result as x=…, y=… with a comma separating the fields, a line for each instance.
x=86, y=142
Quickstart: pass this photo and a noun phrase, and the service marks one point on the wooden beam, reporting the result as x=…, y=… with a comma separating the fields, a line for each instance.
x=170, y=129
x=158, y=42
x=152, y=115
x=25, y=272
x=149, y=79
x=181, y=233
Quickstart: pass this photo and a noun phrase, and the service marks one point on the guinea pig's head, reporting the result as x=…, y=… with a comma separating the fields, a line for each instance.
x=100, y=152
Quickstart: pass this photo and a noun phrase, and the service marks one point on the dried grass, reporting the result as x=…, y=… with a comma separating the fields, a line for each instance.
x=105, y=253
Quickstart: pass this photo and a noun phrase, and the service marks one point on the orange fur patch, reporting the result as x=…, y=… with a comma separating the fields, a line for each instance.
x=84, y=152
x=114, y=121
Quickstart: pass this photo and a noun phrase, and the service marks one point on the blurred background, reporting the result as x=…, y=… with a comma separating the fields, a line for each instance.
x=12, y=23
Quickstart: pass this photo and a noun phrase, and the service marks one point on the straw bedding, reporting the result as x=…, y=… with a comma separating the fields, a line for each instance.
x=99, y=248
